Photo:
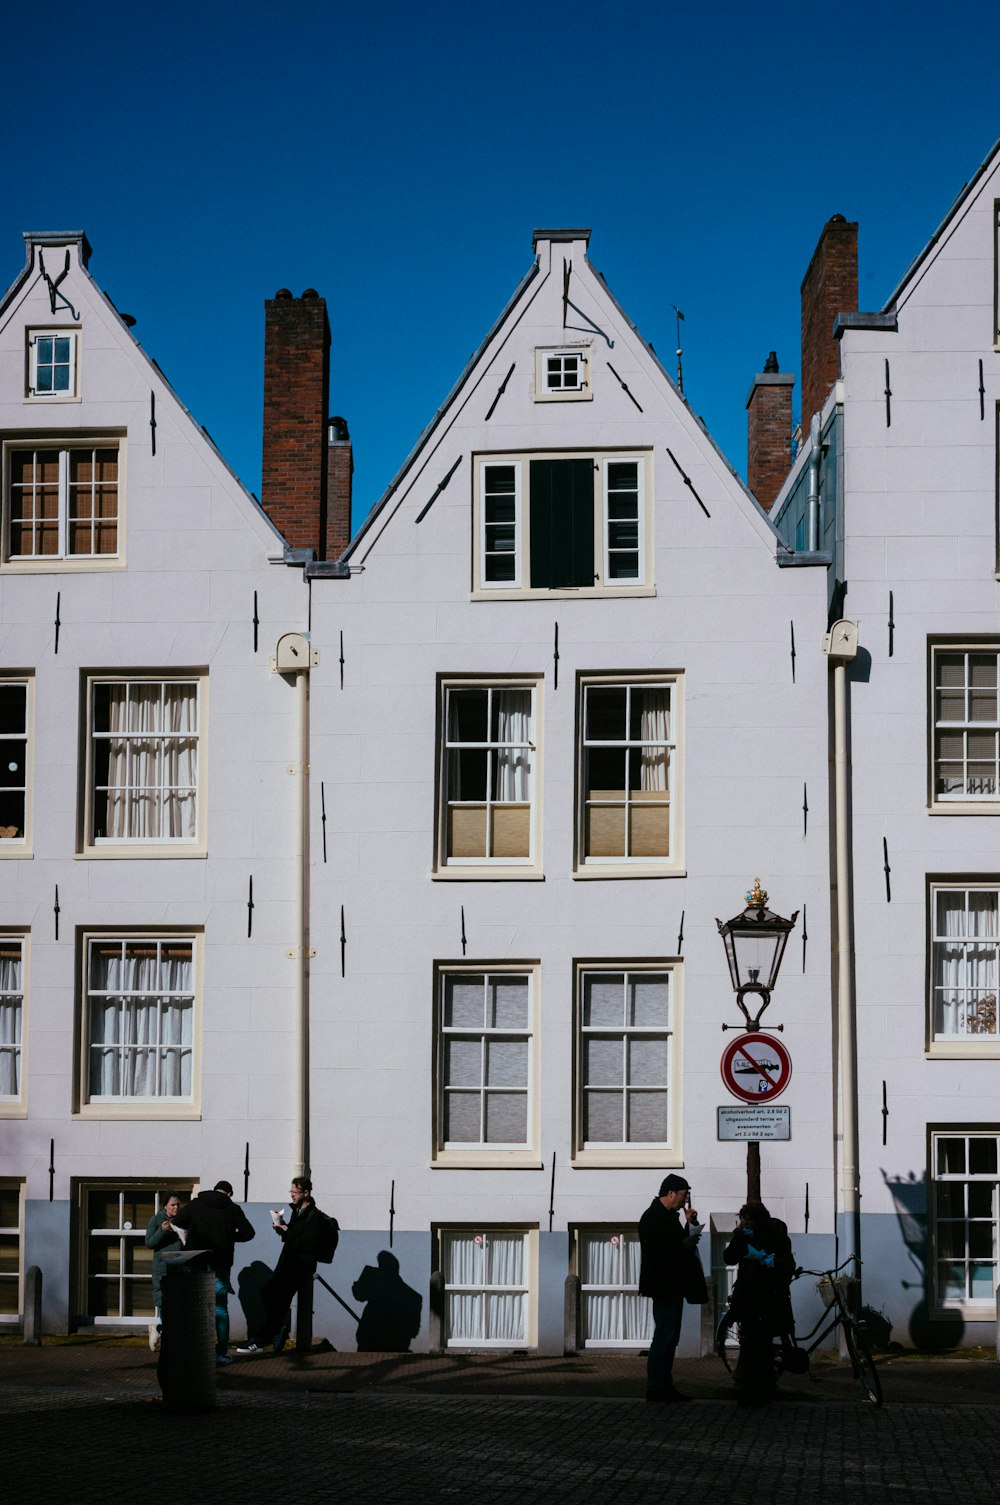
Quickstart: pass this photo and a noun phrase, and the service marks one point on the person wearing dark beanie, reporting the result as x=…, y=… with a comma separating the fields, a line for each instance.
x=669, y=1253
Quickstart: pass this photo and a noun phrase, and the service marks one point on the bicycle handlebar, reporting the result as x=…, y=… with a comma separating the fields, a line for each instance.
x=828, y=1274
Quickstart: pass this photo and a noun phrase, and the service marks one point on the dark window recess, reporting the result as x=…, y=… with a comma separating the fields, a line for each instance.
x=562, y=523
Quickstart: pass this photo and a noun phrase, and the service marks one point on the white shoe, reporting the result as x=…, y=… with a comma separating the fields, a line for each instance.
x=154, y=1336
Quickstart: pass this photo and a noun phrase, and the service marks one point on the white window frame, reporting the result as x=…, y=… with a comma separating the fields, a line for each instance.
x=624, y=1153
x=466, y=868
x=132, y=1236
x=545, y=391
x=981, y=1309
x=63, y=561
x=159, y=846
x=624, y=1237
x=20, y=846
x=962, y=802
x=485, y=552
x=623, y=865
x=14, y=1105
x=114, y=1106
x=526, y=1289
x=607, y=520
x=72, y=391
x=14, y=1231
x=603, y=585
x=486, y=1154
x=984, y=1042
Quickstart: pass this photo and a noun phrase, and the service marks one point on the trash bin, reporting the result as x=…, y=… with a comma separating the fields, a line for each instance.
x=186, y=1368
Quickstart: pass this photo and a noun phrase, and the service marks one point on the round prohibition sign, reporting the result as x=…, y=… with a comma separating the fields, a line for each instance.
x=756, y=1068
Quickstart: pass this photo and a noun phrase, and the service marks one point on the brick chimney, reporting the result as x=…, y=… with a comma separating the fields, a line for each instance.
x=769, y=431
x=829, y=288
x=339, y=475
x=296, y=404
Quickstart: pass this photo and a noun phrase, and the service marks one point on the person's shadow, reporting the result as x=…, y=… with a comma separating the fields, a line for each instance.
x=249, y=1284
x=391, y=1318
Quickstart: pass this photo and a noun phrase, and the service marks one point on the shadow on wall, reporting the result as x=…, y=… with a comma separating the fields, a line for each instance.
x=249, y=1283
x=909, y=1195
x=391, y=1318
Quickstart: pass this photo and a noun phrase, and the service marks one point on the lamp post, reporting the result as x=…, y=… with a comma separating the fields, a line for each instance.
x=755, y=944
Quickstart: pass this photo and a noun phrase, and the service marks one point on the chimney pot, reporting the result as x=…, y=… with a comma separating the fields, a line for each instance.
x=283, y=292
x=771, y=364
x=310, y=292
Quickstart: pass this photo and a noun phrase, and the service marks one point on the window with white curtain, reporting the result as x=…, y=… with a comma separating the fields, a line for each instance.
x=965, y=964
x=140, y=1018
x=10, y=1249
x=628, y=751
x=488, y=775
x=625, y=1056
x=484, y=1073
x=966, y=686
x=11, y=1017
x=486, y=1282
x=612, y=1313
x=965, y=1216
x=144, y=736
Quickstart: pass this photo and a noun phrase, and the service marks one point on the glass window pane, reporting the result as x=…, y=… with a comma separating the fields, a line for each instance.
x=462, y=1111
x=647, y=1115
x=463, y=1066
x=603, y=999
x=463, y=1001
x=649, y=999
x=603, y=1062
x=507, y=1063
x=951, y=1157
x=648, y=1061
x=509, y=999
x=982, y=1156
x=506, y=1118
x=603, y=1117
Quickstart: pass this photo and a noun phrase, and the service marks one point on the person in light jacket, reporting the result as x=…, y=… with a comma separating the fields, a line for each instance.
x=160, y=1237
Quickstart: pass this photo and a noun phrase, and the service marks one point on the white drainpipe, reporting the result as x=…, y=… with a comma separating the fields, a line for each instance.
x=841, y=645
x=294, y=657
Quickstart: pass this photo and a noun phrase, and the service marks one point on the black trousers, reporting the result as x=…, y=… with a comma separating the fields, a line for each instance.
x=277, y=1294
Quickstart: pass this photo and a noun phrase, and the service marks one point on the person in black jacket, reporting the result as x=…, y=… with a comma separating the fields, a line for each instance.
x=214, y=1222
x=760, y=1303
x=669, y=1251
x=296, y=1263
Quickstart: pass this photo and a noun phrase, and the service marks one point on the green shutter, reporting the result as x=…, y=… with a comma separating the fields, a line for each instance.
x=562, y=523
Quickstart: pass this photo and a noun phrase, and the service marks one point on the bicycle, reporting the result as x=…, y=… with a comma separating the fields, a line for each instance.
x=791, y=1353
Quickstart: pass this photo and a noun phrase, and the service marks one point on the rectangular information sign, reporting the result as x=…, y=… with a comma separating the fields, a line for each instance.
x=753, y=1122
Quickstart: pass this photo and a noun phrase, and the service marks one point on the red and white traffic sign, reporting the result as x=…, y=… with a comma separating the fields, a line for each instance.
x=756, y=1068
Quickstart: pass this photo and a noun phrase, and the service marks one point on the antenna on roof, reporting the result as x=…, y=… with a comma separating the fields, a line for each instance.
x=680, y=369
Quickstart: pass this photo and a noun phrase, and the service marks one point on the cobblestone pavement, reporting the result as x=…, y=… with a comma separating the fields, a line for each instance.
x=81, y=1446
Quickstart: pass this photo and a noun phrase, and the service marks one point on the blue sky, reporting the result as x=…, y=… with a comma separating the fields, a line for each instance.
x=397, y=157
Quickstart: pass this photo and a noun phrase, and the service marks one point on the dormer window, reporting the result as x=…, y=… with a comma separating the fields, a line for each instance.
x=52, y=363
x=562, y=374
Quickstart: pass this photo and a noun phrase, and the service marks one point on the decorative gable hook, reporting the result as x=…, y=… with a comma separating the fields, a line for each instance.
x=53, y=287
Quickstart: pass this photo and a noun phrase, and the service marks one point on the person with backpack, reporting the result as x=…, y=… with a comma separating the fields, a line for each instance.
x=761, y=1302
x=309, y=1237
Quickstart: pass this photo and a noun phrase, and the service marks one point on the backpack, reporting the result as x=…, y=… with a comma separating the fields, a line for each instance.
x=326, y=1237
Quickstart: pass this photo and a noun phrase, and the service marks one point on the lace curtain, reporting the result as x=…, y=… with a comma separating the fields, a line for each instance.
x=615, y=1314
x=141, y=1040
x=485, y=1260
x=965, y=963
x=152, y=761
x=10, y=1023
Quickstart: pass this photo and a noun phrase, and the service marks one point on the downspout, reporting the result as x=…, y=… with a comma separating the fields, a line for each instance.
x=812, y=487
x=293, y=658
x=841, y=645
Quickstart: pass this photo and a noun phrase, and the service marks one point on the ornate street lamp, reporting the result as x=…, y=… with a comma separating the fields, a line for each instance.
x=755, y=943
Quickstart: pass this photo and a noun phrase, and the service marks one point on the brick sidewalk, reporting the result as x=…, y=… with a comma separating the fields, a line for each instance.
x=124, y=1366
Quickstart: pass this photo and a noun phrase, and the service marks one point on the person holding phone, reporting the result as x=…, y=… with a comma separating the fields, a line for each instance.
x=669, y=1254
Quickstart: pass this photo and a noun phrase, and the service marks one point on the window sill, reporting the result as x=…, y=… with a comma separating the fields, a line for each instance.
x=486, y=1160
x=588, y=592
x=964, y=807
x=626, y=1159
x=10, y=848
x=474, y=874
x=963, y=1050
x=13, y=1110
x=62, y=566
x=584, y=395
x=149, y=1111
x=137, y=852
x=628, y=870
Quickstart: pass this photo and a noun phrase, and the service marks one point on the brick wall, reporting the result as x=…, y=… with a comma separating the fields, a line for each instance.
x=296, y=403
x=829, y=288
x=769, y=432
x=339, y=474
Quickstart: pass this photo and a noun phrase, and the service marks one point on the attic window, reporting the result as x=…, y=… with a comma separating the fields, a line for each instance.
x=562, y=374
x=52, y=364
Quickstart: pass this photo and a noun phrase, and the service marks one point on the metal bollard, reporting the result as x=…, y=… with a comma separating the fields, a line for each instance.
x=186, y=1369
x=571, y=1315
x=435, y=1304
x=33, y=1307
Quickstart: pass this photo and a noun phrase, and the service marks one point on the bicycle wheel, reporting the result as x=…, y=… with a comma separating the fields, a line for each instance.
x=862, y=1362
x=722, y=1349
